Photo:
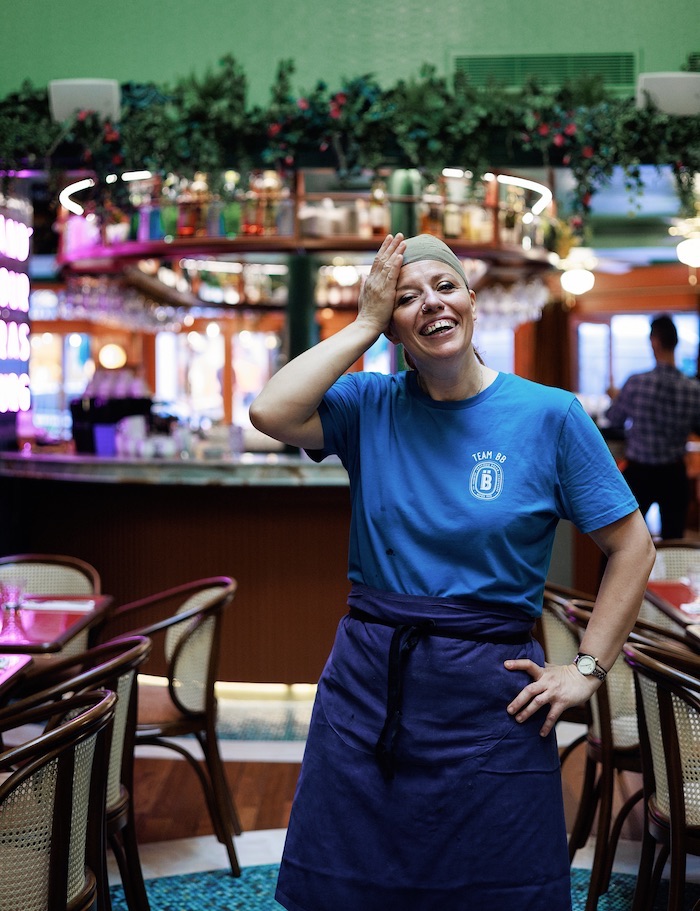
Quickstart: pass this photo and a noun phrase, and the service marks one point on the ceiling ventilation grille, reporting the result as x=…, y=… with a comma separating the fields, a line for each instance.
x=618, y=71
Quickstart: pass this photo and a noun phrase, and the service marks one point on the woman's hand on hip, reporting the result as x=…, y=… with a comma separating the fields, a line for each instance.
x=559, y=686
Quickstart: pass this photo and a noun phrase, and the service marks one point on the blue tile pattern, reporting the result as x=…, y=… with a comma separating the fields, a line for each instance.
x=255, y=890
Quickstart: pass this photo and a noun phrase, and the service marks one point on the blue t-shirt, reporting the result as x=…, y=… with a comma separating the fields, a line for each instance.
x=454, y=499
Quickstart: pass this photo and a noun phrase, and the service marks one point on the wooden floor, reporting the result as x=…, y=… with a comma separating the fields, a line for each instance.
x=169, y=802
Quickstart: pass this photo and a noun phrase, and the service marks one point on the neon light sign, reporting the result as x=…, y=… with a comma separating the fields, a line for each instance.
x=14, y=313
x=14, y=239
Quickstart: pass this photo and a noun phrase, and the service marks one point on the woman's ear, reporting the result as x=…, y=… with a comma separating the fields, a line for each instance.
x=390, y=334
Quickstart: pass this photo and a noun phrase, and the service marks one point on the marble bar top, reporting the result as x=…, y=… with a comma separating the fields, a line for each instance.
x=246, y=470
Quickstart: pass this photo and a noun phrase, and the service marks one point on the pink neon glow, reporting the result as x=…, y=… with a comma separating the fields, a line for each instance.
x=14, y=239
x=14, y=341
x=14, y=392
x=14, y=289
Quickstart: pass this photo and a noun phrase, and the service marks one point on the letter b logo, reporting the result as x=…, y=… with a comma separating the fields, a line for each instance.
x=486, y=480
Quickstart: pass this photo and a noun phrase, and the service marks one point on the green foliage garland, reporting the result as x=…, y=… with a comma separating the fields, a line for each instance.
x=205, y=124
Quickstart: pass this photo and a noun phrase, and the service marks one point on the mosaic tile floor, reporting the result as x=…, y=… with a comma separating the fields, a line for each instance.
x=254, y=891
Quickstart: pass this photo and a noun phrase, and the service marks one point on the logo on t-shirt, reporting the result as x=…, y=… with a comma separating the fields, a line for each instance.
x=486, y=478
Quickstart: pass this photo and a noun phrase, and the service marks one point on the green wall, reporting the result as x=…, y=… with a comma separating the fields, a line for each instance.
x=160, y=40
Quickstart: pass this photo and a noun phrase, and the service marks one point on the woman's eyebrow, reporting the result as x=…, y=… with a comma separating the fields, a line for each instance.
x=440, y=276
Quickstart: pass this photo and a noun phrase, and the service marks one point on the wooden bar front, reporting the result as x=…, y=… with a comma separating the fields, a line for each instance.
x=285, y=543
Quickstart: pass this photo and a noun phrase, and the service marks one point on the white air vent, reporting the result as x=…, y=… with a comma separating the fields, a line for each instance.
x=68, y=96
x=672, y=93
x=617, y=71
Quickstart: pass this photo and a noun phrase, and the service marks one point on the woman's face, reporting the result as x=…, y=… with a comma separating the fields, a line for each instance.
x=433, y=311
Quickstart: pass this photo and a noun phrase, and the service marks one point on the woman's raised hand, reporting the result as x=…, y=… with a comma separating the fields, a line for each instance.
x=377, y=297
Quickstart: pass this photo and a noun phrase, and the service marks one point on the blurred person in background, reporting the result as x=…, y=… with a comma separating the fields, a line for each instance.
x=658, y=410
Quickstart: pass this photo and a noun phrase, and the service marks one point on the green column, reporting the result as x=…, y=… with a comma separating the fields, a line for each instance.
x=302, y=328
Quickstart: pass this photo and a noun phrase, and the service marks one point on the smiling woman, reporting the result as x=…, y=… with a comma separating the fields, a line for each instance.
x=434, y=687
x=434, y=318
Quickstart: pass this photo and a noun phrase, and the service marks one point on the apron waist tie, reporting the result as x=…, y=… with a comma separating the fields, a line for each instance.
x=405, y=638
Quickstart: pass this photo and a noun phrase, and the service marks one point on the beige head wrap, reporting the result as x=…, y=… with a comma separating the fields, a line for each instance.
x=426, y=246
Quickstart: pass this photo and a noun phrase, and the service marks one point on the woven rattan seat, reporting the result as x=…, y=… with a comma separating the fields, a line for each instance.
x=52, y=804
x=185, y=624
x=114, y=666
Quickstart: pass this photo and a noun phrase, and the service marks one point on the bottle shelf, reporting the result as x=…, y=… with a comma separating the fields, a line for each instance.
x=494, y=224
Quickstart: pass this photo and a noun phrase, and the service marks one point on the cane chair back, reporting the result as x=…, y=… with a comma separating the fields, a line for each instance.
x=52, y=574
x=675, y=558
x=188, y=650
x=185, y=624
x=619, y=692
x=612, y=748
x=560, y=643
x=114, y=666
x=669, y=620
x=668, y=686
x=52, y=804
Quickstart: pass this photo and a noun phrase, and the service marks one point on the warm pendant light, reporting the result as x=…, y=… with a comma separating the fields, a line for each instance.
x=688, y=252
x=577, y=281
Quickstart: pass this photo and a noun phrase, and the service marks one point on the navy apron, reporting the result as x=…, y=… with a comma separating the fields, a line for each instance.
x=431, y=798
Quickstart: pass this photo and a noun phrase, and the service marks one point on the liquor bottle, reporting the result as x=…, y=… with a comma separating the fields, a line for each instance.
x=452, y=220
x=201, y=195
x=406, y=184
x=232, y=204
x=431, y=211
x=285, y=213
x=378, y=209
x=187, y=214
x=364, y=228
x=215, y=217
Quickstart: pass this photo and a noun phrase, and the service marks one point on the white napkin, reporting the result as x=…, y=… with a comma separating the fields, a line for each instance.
x=74, y=607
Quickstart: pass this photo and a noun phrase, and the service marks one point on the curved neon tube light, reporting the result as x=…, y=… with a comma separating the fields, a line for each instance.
x=64, y=197
x=545, y=192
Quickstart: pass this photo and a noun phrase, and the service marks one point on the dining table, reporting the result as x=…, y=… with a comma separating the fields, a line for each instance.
x=44, y=624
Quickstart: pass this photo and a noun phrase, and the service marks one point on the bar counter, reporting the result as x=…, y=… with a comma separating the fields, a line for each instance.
x=277, y=523
x=244, y=470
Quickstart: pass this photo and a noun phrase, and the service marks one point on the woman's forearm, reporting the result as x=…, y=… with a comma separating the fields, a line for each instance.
x=286, y=409
x=630, y=553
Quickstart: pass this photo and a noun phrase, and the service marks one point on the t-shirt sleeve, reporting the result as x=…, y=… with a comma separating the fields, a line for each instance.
x=592, y=491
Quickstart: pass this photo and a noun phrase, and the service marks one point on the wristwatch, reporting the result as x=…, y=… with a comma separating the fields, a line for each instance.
x=589, y=667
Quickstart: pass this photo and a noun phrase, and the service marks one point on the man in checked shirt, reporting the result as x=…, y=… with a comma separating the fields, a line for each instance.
x=658, y=410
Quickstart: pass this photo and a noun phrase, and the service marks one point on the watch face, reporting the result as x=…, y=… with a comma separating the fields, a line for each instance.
x=586, y=665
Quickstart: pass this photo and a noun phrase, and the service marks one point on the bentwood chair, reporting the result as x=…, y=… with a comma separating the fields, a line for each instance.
x=612, y=748
x=52, y=799
x=185, y=624
x=668, y=687
x=113, y=666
